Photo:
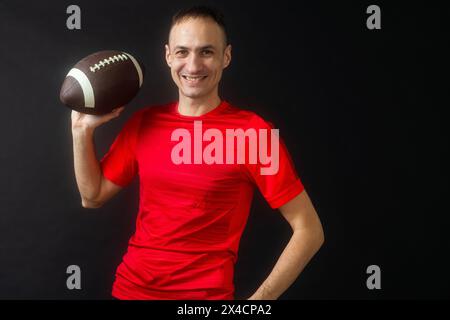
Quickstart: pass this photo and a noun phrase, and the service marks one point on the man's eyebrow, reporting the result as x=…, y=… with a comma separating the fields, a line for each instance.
x=209, y=46
x=180, y=47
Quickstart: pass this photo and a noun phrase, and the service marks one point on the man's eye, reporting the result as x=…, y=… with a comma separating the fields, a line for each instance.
x=181, y=52
x=207, y=52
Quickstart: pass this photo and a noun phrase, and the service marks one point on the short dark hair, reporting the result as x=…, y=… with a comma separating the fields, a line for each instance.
x=201, y=12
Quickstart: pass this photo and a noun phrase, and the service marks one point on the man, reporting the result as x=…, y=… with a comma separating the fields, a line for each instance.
x=192, y=214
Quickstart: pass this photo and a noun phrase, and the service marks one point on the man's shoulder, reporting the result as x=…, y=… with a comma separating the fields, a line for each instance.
x=253, y=119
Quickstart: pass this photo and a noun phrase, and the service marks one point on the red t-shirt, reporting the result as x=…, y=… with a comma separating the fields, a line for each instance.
x=191, y=216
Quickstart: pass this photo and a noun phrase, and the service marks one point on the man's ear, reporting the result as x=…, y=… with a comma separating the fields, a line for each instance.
x=227, y=56
x=168, y=56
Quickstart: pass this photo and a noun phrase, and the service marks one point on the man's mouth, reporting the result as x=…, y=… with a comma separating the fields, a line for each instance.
x=193, y=79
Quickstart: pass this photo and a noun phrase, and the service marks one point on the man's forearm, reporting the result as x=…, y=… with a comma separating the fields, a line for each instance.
x=86, y=165
x=301, y=248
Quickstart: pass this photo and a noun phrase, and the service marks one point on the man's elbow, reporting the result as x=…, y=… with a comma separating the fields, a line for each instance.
x=321, y=237
x=88, y=204
x=316, y=235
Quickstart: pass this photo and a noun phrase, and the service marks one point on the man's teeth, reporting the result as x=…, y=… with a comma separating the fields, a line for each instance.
x=193, y=78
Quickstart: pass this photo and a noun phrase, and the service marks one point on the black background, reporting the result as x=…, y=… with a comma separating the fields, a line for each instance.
x=360, y=110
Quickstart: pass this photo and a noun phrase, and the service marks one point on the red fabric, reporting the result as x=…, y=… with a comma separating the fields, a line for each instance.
x=191, y=216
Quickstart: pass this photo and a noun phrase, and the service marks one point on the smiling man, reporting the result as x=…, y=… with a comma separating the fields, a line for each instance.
x=192, y=214
x=197, y=53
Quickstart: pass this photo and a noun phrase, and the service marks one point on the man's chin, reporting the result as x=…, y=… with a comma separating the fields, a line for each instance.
x=194, y=94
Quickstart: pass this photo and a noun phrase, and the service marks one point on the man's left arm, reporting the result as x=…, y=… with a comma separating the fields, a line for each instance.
x=305, y=241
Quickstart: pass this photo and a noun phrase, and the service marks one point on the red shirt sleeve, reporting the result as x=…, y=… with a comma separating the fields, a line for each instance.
x=119, y=164
x=283, y=184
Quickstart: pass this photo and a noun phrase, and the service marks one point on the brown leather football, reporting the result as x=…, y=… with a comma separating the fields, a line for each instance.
x=101, y=82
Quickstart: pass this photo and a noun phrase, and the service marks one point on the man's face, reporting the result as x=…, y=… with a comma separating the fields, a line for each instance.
x=196, y=55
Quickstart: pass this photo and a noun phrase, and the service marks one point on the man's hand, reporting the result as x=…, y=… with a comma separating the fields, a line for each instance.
x=88, y=121
x=261, y=296
x=253, y=297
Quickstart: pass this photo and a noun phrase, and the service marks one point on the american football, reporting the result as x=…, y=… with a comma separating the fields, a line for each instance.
x=101, y=82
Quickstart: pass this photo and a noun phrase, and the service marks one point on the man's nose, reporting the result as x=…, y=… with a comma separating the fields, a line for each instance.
x=194, y=63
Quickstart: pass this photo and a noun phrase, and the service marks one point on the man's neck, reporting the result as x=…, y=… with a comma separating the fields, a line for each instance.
x=197, y=107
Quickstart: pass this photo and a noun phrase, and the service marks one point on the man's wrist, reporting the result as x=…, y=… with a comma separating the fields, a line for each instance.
x=263, y=293
x=82, y=131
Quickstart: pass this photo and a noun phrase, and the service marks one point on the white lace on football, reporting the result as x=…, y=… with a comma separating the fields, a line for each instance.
x=107, y=61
